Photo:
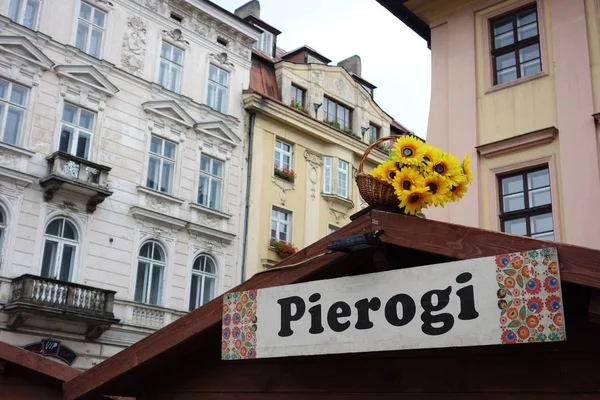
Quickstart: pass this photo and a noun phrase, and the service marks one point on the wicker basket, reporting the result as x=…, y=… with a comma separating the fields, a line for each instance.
x=373, y=190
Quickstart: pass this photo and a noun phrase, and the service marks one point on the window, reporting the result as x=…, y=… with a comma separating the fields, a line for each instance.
x=76, y=131
x=337, y=115
x=280, y=225
x=13, y=98
x=171, y=67
x=151, y=265
x=218, y=80
x=60, y=247
x=331, y=229
x=283, y=155
x=327, y=174
x=204, y=279
x=90, y=29
x=515, y=45
x=222, y=42
x=25, y=12
x=374, y=133
x=342, y=188
x=265, y=43
x=526, y=204
x=297, y=97
x=210, y=185
x=161, y=165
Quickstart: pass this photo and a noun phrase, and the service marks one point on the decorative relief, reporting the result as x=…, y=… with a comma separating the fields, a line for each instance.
x=155, y=5
x=223, y=58
x=338, y=215
x=134, y=46
x=176, y=35
x=209, y=220
x=284, y=186
x=158, y=204
x=315, y=161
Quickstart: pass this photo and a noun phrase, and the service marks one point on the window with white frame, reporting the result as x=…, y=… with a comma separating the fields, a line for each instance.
x=171, y=67
x=265, y=43
x=210, y=185
x=204, y=281
x=90, y=29
x=218, y=82
x=342, y=187
x=76, y=131
x=149, y=280
x=60, y=249
x=283, y=155
x=280, y=225
x=161, y=165
x=25, y=12
x=13, y=98
x=327, y=175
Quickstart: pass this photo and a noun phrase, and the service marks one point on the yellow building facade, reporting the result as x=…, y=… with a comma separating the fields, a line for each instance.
x=516, y=84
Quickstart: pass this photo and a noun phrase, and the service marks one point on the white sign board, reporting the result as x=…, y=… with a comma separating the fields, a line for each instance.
x=510, y=298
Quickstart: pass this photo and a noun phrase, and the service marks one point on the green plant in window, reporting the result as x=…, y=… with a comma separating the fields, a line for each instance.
x=297, y=106
x=285, y=173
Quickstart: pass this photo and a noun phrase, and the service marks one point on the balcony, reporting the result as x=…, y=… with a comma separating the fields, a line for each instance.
x=68, y=172
x=35, y=300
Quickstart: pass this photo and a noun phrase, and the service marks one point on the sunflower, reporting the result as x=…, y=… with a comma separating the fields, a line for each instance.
x=458, y=191
x=428, y=151
x=466, y=167
x=414, y=200
x=408, y=150
x=439, y=190
x=445, y=166
x=386, y=171
x=407, y=179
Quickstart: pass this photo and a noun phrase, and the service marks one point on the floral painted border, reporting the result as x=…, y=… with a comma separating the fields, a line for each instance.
x=239, y=325
x=529, y=297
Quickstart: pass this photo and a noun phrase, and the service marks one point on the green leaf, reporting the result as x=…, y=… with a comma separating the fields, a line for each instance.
x=248, y=344
x=514, y=324
x=503, y=312
x=509, y=304
x=520, y=281
x=522, y=313
x=509, y=272
x=501, y=286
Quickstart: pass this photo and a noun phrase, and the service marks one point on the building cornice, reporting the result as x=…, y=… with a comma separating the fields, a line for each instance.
x=302, y=122
x=518, y=143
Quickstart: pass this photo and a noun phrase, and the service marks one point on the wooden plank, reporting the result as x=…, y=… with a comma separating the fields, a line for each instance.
x=36, y=362
x=578, y=264
x=594, y=308
x=192, y=324
x=377, y=396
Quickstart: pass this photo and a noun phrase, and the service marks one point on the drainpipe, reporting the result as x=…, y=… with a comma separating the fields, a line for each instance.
x=248, y=175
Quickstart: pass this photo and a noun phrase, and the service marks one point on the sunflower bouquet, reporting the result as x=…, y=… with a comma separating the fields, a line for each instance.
x=423, y=175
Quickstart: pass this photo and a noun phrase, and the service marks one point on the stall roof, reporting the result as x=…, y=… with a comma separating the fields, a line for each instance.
x=424, y=239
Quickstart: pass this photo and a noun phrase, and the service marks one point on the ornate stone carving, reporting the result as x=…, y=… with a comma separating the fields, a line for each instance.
x=284, y=186
x=244, y=52
x=158, y=205
x=315, y=161
x=155, y=5
x=209, y=220
x=134, y=46
x=176, y=35
x=201, y=29
x=223, y=58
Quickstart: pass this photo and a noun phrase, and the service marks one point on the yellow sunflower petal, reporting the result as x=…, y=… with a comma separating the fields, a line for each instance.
x=408, y=150
x=439, y=189
x=414, y=200
x=407, y=178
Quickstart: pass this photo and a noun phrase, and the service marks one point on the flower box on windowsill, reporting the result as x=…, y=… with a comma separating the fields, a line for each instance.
x=282, y=249
x=285, y=174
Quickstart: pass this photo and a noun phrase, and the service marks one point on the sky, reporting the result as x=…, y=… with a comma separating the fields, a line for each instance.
x=394, y=58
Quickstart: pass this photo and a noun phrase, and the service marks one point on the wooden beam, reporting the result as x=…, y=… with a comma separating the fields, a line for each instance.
x=36, y=362
x=594, y=309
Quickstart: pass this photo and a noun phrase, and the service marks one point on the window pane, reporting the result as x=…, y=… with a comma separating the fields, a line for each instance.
x=531, y=67
x=175, y=78
x=217, y=168
x=69, y=232
x=153, y=170
x=512, y=184
x=194, y=291
x=526, y=17
x=49, y=259
x=221, y=100
x=541, y=223
x=177, y=56
x=82, y=34
x=13, y=10
x=95, y=43
x=55, y=227
x=502, y=27
x=529, y=53
x=156, y=145
x=516, y=226
x=505, y=61
x=215, y=194
x=538, y=179
x=203, y=190
x=140, y=282
x=65, y=138
x=514, y=202
x=503, y=40
x=86, y=120
x=69, y=113
x=158, y=253
x=14, y=120
x=212, y=73
x=166, y=182
x=223, y=77
x=156, y=285
x=163, y=76
x=205, y=164
x=165, y=50
x=31, y=12
x=66, y=266
x=211, y=96
x=209, y=266
x=527, y=31
x=18, y=94
x=85, y=12
x=146, y=250
x=83, y=145
x=3, y=88
x=544, y=236
x=99, y=18
x=209, y=290
x=507, y=75
x=539, y=197
x=169, y=151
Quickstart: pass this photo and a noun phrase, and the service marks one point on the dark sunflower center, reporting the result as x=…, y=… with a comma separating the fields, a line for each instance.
x=407, y=152
x=414, y=198
x=433, y=188
x=406, y=184
x=439, y=168
x=453, y=188
x=426, y=160
x=392, y=174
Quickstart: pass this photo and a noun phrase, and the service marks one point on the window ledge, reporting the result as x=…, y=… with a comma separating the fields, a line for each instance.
x=518, y=143
x=163, y=196
x=17, y=149
x=212, y=211
x=516, y=82
x=284, y=180
x=336, y=198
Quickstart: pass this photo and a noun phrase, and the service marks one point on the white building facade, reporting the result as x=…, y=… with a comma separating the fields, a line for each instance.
x=122, y=167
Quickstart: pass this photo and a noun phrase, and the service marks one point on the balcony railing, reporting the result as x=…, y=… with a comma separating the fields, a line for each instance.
x=79, y=174
x=33, y=294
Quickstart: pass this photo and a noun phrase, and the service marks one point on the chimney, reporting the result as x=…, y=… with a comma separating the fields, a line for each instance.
x=352, y=65
x=250, y=8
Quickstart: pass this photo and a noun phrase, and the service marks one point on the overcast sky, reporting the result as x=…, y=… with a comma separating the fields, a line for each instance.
x=394, y=58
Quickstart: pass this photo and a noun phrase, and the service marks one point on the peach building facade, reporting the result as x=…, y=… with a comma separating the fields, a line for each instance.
x=516, y=84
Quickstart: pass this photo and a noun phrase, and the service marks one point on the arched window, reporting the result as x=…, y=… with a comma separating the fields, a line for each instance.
x=60, y=248
x=204, y=280
x=151, y=266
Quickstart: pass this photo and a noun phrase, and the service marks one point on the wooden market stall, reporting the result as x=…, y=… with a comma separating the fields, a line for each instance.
x=183, y=360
